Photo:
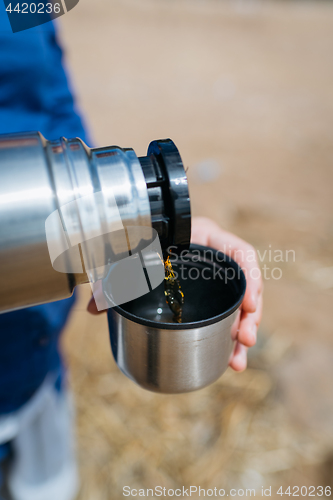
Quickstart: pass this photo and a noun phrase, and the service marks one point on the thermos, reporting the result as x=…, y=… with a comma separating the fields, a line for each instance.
x=64, y=210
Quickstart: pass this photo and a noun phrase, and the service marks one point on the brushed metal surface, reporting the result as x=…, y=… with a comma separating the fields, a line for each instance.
x=90, y=188
x=173, y=361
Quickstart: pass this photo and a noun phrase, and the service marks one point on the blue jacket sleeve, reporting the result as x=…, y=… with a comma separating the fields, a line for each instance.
x=62, y=115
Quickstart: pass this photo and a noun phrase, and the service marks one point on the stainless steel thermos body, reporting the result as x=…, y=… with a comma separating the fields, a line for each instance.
x=78, y=195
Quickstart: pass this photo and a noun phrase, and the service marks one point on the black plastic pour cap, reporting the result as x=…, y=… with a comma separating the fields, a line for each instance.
x=168, y=195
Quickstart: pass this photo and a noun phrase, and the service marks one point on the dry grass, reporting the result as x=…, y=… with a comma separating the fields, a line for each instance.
x=233, y=434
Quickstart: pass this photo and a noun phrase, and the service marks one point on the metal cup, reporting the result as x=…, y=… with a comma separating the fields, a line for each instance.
x=167, y=357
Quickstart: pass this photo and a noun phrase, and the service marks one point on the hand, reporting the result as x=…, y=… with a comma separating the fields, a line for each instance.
x=208, y=233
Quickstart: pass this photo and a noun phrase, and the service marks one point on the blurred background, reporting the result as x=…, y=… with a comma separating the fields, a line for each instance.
x=245, y=89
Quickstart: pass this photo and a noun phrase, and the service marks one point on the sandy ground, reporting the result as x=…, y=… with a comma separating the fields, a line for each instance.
x=245, y=90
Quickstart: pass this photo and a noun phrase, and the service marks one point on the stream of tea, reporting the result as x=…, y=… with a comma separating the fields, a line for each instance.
x=173, y=293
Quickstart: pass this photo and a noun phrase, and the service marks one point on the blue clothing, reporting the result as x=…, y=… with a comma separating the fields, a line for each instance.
x=34, y=95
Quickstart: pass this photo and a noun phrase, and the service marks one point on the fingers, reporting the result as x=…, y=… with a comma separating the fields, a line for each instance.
x=92, y=308
x=97, y=303
x=247, y=334
x=98, y=294
x=253, y=288
x=207, y=232
x=200, y=231
x=247, y=337
x=246, y=256
x=238, y=361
